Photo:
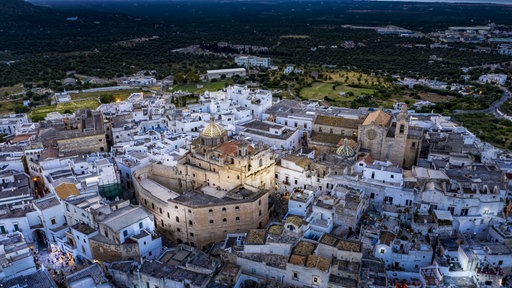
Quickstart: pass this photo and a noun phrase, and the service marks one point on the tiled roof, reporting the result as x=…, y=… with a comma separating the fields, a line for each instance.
x=341, y=244
x=213, y=130
x=304, y=248
x=298, y=259
x=318, y=262
x=337, y=121
x=40, y=279
x=47, y=202
x=298, y=160
x=295, y=220
x=256, y=236
x=231, y=148
x=378, y=117
x=386, y=237
x=276, y=229
x=66, y=190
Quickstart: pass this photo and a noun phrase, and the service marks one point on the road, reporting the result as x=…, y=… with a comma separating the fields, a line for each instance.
x=493, y=109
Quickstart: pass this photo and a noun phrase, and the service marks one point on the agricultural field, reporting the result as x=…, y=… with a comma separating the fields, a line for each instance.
x=199, y=88
x=14, y=89
x=339, y=93
x=118, y=94
x=39, y=113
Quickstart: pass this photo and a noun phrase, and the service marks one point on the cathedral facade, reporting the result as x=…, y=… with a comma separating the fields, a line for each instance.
x=390, y=139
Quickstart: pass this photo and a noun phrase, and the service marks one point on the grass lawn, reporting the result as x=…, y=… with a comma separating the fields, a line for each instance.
x=11, y=89
x=199, y=88
x=40, y=112
x=118, y=94
x=358, y=78
x=318, y=91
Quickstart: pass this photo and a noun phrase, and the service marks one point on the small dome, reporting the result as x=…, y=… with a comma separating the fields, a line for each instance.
x=347, y=148
x=213, y=130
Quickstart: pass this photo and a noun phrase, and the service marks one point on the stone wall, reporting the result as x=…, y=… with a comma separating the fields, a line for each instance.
x=107, y=252
x=83, y=145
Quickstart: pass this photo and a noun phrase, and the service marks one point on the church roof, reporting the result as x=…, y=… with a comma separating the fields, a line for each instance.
x=213, y=130
x=337, y=121
x=378, y=117
x=347, y=147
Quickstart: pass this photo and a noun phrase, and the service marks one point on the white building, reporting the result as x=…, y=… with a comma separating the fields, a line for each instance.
x=15, y=257
x=274, y=135
x=130, y=230
x=300, y=203
x=493, y=78
x=9, y=124
x=253, y=61
x=228, y=73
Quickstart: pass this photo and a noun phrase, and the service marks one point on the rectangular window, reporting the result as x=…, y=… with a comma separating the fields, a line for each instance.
x=16, y=227
x=125, y=233
x=140, y=225
x=53, y=221
x=2, y=229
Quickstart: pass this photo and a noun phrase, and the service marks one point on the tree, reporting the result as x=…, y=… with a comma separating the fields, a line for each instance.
x=106, y=98
x=19, y=108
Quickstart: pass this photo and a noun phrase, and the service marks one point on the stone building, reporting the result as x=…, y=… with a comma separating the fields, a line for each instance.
x=220, y=186
x=331, y=132
x=83, y=133
x=389, y=139
x=125, y=234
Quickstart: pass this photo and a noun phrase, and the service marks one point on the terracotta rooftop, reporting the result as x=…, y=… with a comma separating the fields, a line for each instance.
x=298, y=260
x=337, y=121
x=295, y=220
x=231, y=148
x=256, y=236
x=367, y=159
x=304, y=248
x=328, y=240
x=341, y=244
x=386, y=237
x=349, y=245
x=318, y=262
x=378, y=117
x=66, y=190
x=21, y=138
x=326, y=138
x=298, y=160
x=276, y=229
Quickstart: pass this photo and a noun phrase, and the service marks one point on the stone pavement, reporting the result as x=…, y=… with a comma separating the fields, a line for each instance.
x=59, y=264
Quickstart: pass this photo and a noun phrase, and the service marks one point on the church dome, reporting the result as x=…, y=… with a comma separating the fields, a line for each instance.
x=347, y=148
x=213, y=130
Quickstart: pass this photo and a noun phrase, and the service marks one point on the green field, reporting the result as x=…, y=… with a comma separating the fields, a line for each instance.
x=199, y=88
x=118, y=94
x=40, y=112
x=318, y=91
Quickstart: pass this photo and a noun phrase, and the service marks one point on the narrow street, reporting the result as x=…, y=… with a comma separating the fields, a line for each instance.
x=58, y=264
